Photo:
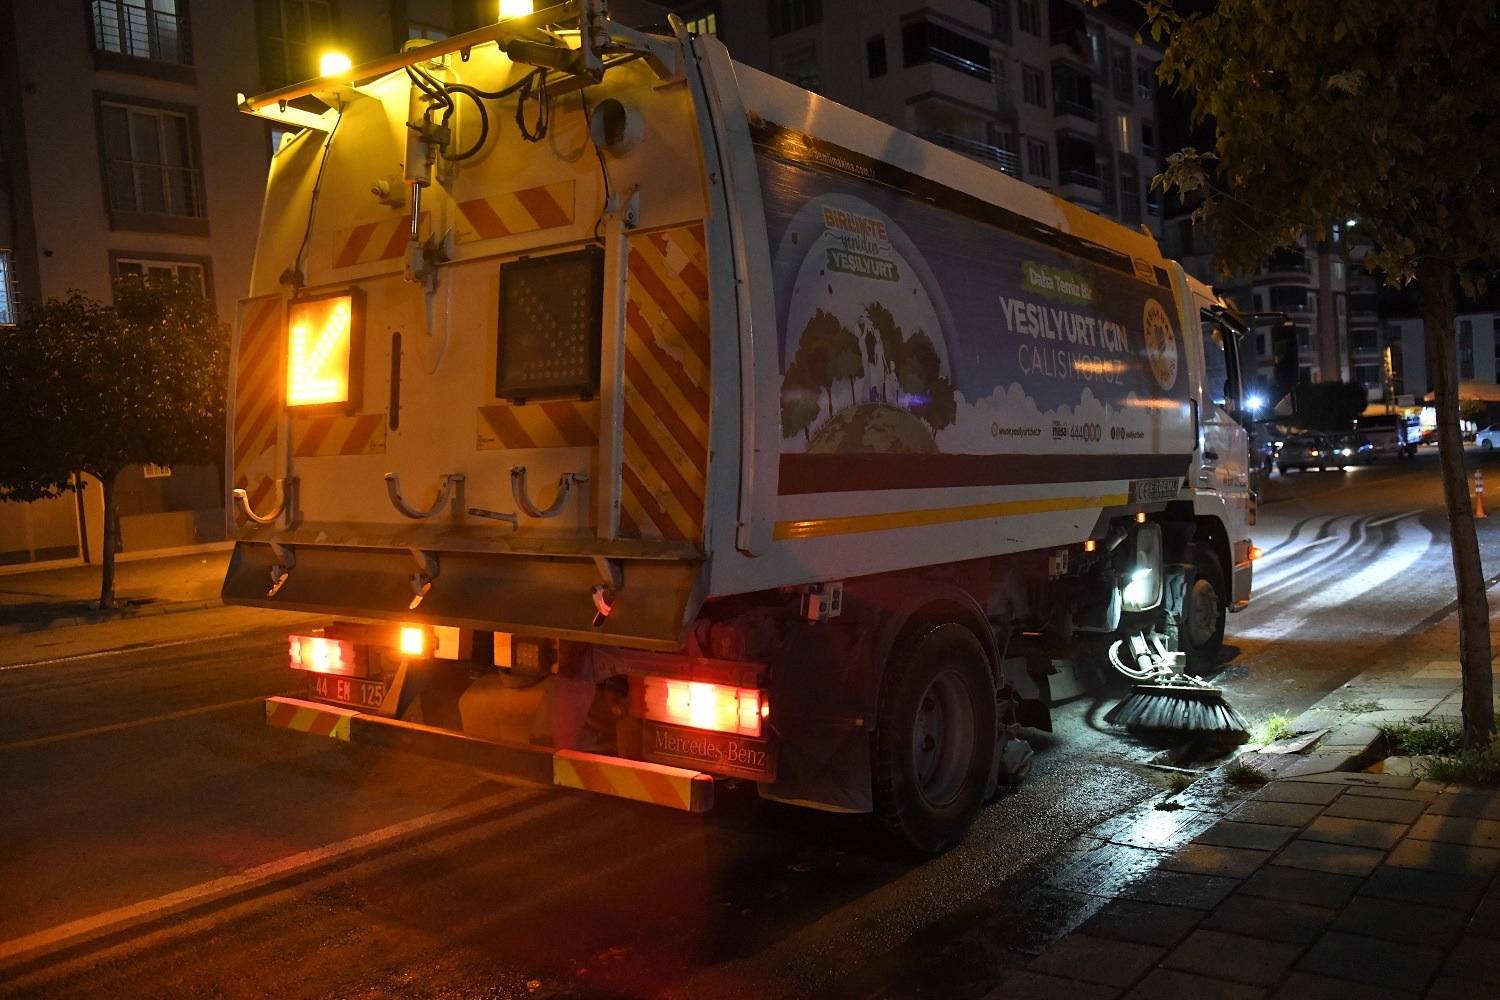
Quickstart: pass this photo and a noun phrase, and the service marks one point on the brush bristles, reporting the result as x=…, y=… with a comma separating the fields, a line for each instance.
x=1199, y=709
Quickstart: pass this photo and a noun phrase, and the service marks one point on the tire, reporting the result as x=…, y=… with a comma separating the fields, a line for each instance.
x=1201, y=633
x=1486, y=445
x=934, y=740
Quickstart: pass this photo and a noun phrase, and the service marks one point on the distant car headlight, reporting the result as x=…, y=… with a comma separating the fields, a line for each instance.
x=1346, y=451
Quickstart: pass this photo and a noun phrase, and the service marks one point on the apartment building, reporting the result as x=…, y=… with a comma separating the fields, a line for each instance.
x=121, y=152
x=1054, y=92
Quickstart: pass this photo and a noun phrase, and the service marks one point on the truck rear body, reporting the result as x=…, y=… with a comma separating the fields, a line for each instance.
x=667, y=436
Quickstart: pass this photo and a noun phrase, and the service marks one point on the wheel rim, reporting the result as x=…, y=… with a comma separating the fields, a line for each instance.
x=943, y=738
x=1203, y=613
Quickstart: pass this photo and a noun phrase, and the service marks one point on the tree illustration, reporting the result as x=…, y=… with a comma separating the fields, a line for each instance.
x=799, y=401
x=919, y=376
x=892, y=341
x=828, y=350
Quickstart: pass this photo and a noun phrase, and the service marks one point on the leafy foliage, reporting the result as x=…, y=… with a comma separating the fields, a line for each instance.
x=1380, y=112
x=87, y=387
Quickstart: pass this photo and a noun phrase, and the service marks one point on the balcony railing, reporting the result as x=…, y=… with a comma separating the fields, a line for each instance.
x=943, y=57
x=1079, y=178
x=1007, y=161
x=155, y=189
x=136, y=29
x=1075, y=109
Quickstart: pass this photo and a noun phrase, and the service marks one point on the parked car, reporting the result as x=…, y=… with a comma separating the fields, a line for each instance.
x=1307, y=451
x=1489, y=438
x=1353, y=447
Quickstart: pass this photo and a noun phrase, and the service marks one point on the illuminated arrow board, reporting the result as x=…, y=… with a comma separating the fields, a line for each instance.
x=319, y=339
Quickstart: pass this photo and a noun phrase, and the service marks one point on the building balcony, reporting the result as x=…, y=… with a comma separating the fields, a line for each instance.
x=991, y=156
x=1081, y=188
x=1072, y=114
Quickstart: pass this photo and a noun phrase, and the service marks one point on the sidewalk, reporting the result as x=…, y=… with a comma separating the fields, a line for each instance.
x=55, y=596
x=1325, y=883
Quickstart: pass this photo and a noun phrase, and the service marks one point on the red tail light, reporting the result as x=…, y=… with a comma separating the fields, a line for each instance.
x=320, y=654
x=717, y=707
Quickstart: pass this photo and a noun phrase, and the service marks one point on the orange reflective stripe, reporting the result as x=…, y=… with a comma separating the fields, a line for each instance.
x=358, y=434
x=508, y=213
x=673, y=787
x=322, y=720
x=663, y=475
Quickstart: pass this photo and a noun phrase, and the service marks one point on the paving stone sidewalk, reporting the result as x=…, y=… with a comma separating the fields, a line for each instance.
x=1326, y=883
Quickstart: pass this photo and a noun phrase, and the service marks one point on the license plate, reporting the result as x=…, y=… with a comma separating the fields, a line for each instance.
x=721, y=753
x=354, y=691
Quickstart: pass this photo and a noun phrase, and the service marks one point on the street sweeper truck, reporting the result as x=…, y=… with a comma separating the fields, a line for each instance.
x=643, y=421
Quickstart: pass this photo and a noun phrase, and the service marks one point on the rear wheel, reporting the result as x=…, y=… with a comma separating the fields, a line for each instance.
x=935, y=739
x=1486, y=444
x=1201, y=633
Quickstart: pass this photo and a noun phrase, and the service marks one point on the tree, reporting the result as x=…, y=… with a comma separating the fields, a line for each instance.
x=1331, y=406
x=87, y=387
x=1380, y=112
x=799, y=401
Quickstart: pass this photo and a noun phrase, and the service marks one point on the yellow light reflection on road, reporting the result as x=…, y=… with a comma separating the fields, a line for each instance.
x=319, y=333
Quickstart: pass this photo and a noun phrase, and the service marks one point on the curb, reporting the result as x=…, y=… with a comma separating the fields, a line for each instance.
x=103, y=617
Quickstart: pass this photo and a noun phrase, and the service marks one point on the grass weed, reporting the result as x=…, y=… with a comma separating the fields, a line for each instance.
x=1277, y=727
x=1422, y=739
x=1240, y=773
x=1360, y=707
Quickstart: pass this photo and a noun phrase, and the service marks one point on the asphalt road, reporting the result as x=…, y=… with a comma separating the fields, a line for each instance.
x=157, y=839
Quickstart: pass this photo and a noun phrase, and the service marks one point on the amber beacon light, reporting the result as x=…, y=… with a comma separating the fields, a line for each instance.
x=322, y=351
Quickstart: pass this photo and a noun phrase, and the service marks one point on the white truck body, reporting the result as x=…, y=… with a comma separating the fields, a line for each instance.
x=745, y=376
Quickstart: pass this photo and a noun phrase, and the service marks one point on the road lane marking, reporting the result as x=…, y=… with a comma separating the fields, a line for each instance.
x=1378, y=573
x=1393, y=518
x=115, y=727
x=39, y=944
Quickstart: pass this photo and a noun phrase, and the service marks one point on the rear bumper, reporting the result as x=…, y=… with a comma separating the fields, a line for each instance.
x=673, y=787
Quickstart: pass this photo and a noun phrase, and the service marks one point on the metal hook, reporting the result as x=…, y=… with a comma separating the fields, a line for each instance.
x=393, y=489
x=564, y=490
x=242, y=501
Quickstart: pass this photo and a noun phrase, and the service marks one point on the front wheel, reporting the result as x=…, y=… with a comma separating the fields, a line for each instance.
x=935, y=739
x=1204, y=606
x=1485, y=444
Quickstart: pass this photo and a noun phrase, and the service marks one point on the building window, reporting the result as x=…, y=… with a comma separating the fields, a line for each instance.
x=1029, y=16
x=426, y=32
x=789, y=15
x=1038, y=159
x=1033, y=86
x=1145, y=81
x=146, y=29
x=150, y=161
x=708, y=24
x=1124, y=121
x=801, y=67
x=875, y=56
x=292, y=34
x=1286, y=297
x=1130, y=191
x=1072, y=92
x=924, y=42
x=1119, y=73
x=1098, y=50
x=1465, y=349
x=9, y=313
x=1148, y=138
x=193, y=271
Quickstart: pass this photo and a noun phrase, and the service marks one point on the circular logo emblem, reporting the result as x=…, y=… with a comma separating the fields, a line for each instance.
x=1161, y=344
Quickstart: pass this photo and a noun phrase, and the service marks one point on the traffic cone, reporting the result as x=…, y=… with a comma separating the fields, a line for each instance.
x=1478, y=493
